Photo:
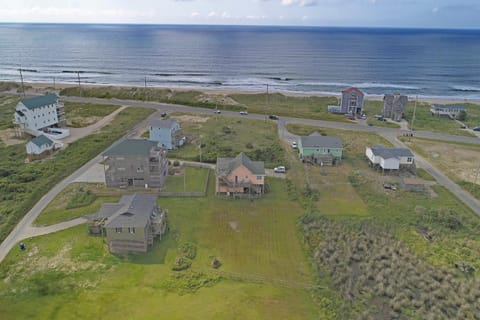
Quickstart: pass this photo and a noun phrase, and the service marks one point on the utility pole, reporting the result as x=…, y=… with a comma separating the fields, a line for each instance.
x=266, y=105
x=79, y=87
x=200, y=148
x=414, y=111
x=145, y=90
x=54, y=83
x=184, y=179
x=21, y=79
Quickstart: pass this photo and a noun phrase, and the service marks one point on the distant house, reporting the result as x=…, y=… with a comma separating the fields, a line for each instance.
x=167, y=133
x=394, y=106
x=351, y=102
x=446, y=110
x=240, y=176
x=135, y=163
x=37, y=114
x=131, y=224
x=390, y=158
x=319, y=149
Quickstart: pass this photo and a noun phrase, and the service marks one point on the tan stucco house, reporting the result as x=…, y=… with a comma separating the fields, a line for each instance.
x=240, y=176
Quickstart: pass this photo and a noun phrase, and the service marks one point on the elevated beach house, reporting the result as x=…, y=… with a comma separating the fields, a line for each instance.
x=394, y=106
x=135, y=163
x=240, y=176
x=131, y=225
x=318, y=149
x=37, y=114
x=452, y=112
x=351, y=102
x=390, y=158
x=167, y=133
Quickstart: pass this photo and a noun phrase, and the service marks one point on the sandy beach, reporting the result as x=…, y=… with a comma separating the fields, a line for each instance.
x=35, y=88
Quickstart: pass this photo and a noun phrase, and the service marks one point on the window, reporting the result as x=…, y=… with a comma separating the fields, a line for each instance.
x=409, y=159
x=118, y=230
x=131, y=230
x=259, y=177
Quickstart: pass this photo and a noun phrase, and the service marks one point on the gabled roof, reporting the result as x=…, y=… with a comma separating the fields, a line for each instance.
x=131, y=147
x=452, y=107
x=40, y=101
x=131, y=211
x=226, y=165
x=318, y=141
x=353, y=89
x=163, y=123
x=388, y=153
x=41, y=140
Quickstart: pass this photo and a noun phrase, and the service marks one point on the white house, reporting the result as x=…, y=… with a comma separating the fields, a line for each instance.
x=445, y=110
x=389, y=158
x=37, y=114
x=167, y=133
x=39, y=145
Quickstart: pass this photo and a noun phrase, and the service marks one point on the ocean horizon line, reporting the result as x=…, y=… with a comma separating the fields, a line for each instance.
x=324, y=27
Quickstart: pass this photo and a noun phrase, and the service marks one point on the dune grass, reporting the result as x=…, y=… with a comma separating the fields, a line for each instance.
x=80, y=115
x=224, y=136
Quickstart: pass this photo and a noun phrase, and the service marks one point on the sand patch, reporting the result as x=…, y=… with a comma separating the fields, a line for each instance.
x=192, y=119
x=234, y=225
x=9, y=137
x=215, y=98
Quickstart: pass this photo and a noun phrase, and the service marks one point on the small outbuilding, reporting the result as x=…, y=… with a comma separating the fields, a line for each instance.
x=451, y=111
x=41, y=146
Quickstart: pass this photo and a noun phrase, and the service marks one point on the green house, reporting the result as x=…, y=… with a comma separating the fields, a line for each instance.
x=323, y=150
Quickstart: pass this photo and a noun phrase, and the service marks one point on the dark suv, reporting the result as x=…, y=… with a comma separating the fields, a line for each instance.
x=273, y=117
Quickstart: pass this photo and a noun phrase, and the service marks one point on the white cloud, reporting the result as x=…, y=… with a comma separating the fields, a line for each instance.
x=212, y=14
x=194, y=14
x=225, y=15
x=301, y=3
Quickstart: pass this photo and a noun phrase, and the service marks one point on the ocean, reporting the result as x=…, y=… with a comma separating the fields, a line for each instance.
x=317, y=60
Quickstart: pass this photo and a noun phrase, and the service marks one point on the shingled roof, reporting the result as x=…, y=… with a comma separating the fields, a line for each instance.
x=131, y=211
x=131, y=147
x=40, y=101
x=41, y=140
x=318, y=141
x=163, y=123
x=226, y=165
x=353, y=89
x=388, y=153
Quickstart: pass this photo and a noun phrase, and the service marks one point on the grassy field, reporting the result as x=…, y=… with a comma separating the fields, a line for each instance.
x=74, y=201
x=80, y=115
x=7, y=108
x=223, y=136
x=454, y=159
x=188, y=179
x=23, y=184
x=69, y=274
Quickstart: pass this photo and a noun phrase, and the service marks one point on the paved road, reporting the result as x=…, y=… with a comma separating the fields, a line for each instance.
x=24, y=227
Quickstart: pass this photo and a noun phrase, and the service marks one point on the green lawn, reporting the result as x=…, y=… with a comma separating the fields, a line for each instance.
x=64, y=207
x=69, y=274
x=190, y=179
x=223, y=136
x=80, y=115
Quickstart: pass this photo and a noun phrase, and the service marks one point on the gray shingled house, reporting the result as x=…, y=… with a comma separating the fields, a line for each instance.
x=240, y=176
x=135, y=163
x=131, y=224
x=394, y=106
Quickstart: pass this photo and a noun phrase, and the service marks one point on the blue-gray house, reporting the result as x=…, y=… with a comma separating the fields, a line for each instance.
x=351, y=102
x=167, y=133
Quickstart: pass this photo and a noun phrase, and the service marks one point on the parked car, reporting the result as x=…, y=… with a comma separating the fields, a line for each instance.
x=462, y=126
x=389, y=186
x=163, y=114
x=280, y=169
x=273, y=117
x=476, y=129
x=217, y=111
x=294, y=145
x=243, y=113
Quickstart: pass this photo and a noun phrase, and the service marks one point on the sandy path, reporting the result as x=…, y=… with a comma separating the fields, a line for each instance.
x=78, y=133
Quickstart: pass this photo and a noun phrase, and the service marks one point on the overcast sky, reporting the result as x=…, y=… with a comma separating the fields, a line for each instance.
x=366, y=13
